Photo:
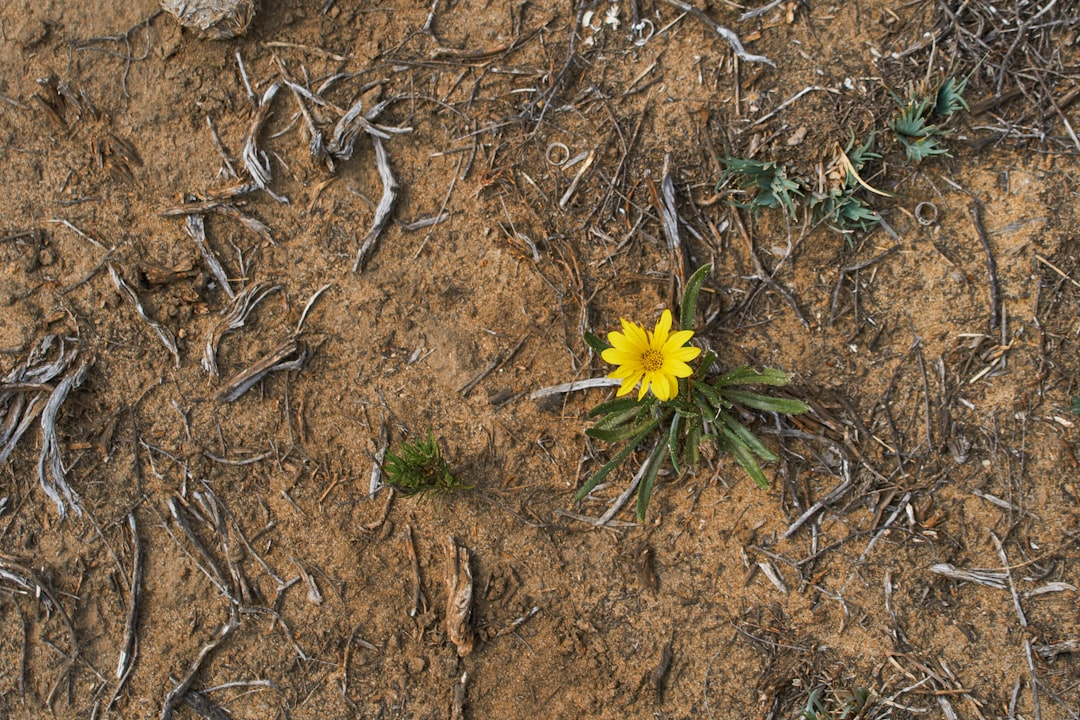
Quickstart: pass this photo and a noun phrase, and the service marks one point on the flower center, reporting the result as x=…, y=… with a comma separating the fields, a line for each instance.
x=652, y=360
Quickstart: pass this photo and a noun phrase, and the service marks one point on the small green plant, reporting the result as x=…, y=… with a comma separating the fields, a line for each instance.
x=846, y=705
x=950, y=97
x=766, y=183
x=912, y=122
x=838, y=203
x=1075, y=406
x=677, y=407
x=420, y=469
x=920, y=139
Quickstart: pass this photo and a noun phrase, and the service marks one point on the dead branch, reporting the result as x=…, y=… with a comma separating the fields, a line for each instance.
x=289, y=354
x=232, y=318
x=163, y=333
x=459, y=593
x=182, y=687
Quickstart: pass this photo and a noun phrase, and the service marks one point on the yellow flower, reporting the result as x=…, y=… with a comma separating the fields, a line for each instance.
x=656, y=359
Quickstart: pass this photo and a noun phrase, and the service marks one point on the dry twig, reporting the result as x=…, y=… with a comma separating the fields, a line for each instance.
x=232, y=318
x=163, y=333
x=459, y=593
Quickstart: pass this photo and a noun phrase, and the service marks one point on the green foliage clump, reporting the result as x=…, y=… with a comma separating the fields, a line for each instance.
x=420, y=469
x=919, y=139
x=912, y=123
x=839, y=205
x=920, y=126
x=846, y=705
x=766, y=183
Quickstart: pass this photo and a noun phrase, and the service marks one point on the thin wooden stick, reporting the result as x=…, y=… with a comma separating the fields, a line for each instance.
x=991, y=264
x=181, y=688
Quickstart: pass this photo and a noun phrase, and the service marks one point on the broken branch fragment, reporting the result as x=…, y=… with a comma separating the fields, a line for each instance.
x=290, y=354
x=233, y=318
x=163, y=333
x=459, y=592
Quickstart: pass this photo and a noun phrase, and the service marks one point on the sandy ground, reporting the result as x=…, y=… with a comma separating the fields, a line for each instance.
x=219, y=554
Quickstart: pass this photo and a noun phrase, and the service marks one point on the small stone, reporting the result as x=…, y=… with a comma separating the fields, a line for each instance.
x=415, y=664
x=46, y=256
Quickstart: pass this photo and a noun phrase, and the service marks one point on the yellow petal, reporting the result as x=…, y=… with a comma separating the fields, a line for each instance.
x=643, y=390
x=635, y=335
x=627, y=385
x=660, y=386
x=678, y=369
x=625, y=371
x=660, y=332
x=678, y=339
x=617, y=340
x=616, y=356
x=682, y=354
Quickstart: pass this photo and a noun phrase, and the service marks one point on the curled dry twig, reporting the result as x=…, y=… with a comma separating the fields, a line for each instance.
x=51, y=473
x=341, y=147
x=196, y=228
x=255, y=161
x=163, y=333
x=25, y=394
x=289, y=354
x=382, y=212
x=729, y=35
x=233, y=318
x=30, y=378
x=181, y=688
x=16, y=572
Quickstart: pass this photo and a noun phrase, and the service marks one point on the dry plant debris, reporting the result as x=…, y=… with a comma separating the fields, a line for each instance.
x=217, y=19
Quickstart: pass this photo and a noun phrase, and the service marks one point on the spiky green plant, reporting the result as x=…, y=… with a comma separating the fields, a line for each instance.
x=950, y=97
x=919, y=138
x=765, y=182
x=912, y=126
x=420, y=469
x=705, y=409
x=840, y=205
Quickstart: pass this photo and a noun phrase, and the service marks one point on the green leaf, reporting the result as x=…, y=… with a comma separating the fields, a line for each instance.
x=645, y=489
x=614, y=419
x=766, y=403
x=611, y=435
x=690, y=296
x=598, y=345
x=748, y=376
x=616, y=405
x=950, y=97
x=742, y=456
x=615, y=461
x=707, y=360
x=690, y=444
x=673, y=441
x=748, y=438
x=711, y=397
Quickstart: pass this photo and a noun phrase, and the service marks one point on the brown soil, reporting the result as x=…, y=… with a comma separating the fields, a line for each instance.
x=923, y=400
